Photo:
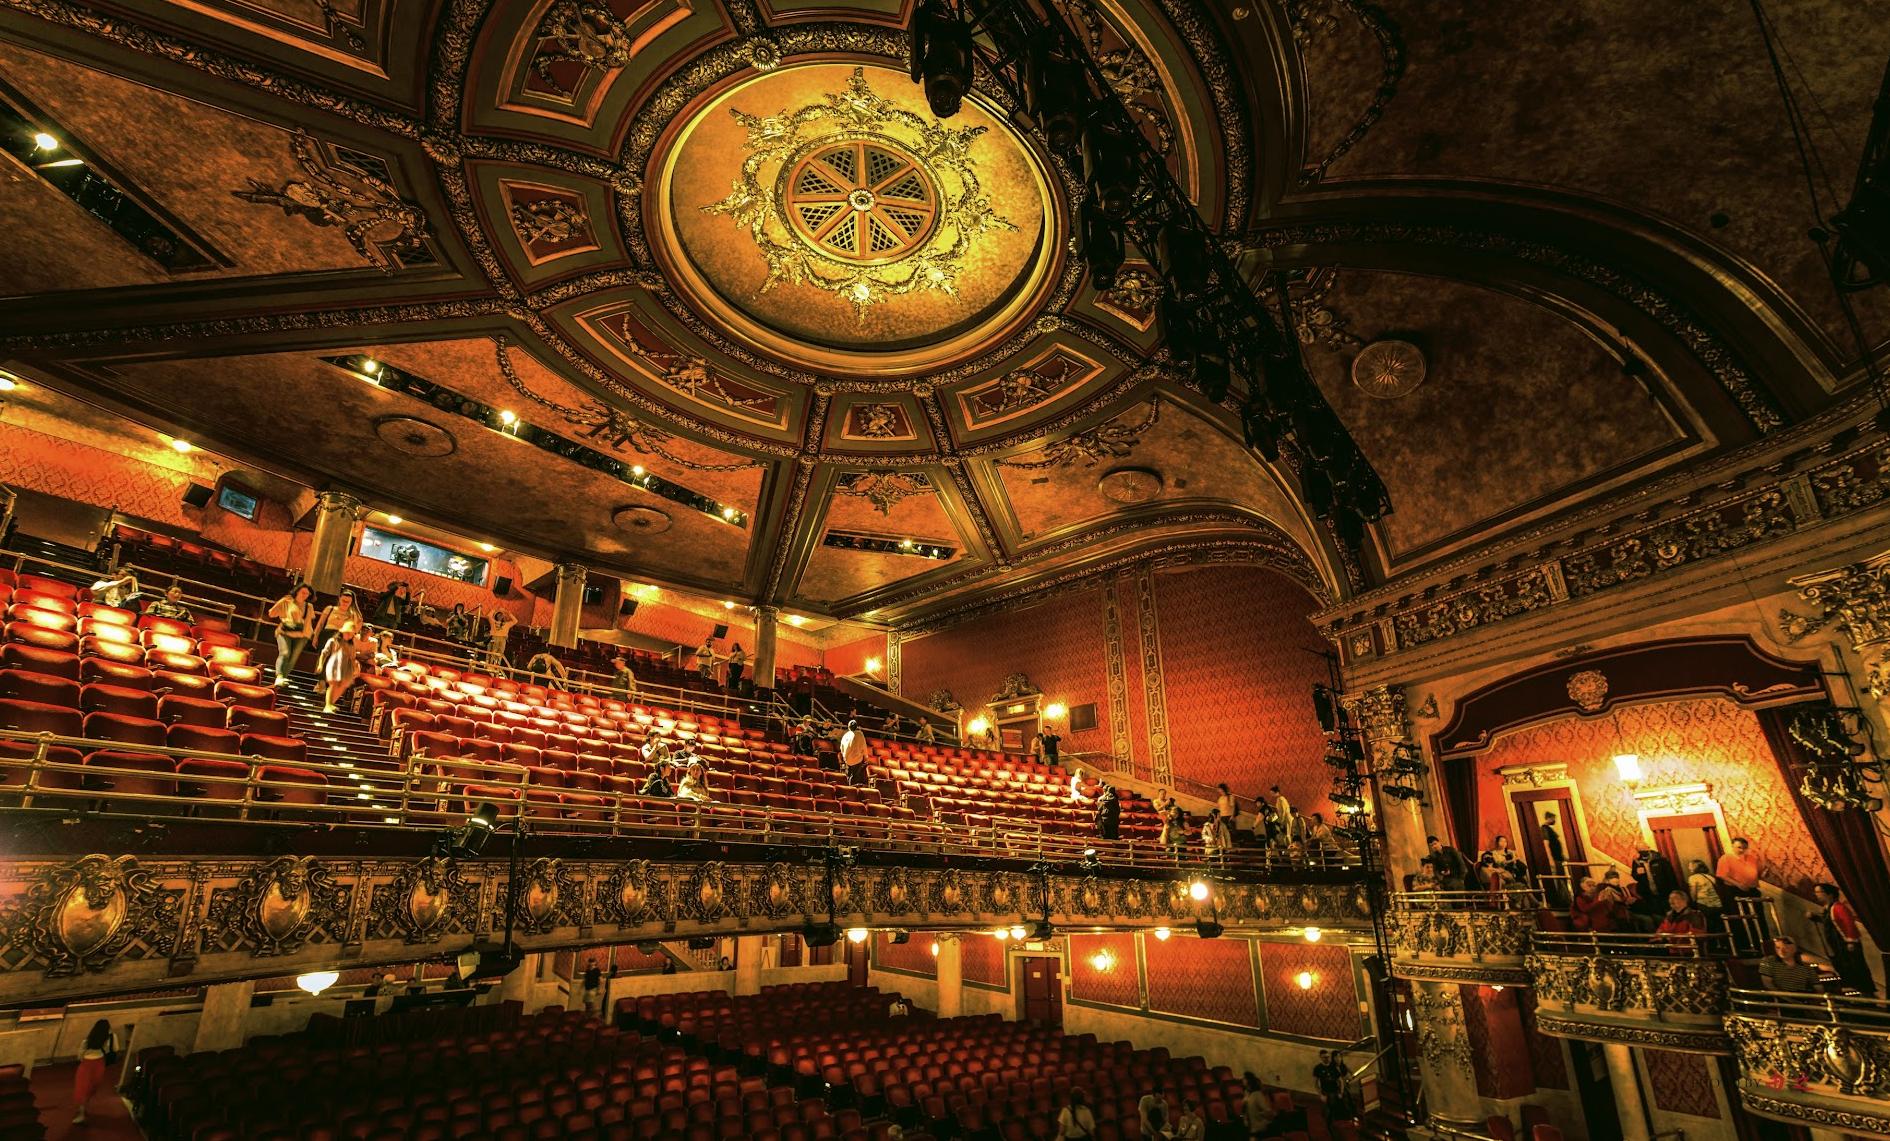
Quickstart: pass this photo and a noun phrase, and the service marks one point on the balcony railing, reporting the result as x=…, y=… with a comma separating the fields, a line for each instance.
x=1813, y=1059
x=1463, y=936
x=1652, y=990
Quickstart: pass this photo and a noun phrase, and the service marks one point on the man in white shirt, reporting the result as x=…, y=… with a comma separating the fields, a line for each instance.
x=1146, y=1108
x=853, y=753
x=1077, y=780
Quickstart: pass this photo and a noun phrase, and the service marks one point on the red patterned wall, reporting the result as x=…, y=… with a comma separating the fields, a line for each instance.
x=1120, y=985
x=1498, y=1047
x=1328, y=1010
x=914, y=956
x=849, y=658
x=626, y=957
x=982, y=960
x=1545, y=1053
x=1683, y=1083
x=1706, y=739
x=1058, y=644
x=1125, y=600
x=1210, y=979
x=1239, y=660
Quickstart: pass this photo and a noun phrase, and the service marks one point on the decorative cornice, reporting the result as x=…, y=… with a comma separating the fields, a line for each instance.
x=1831, y=1117
x=1489, y=974
x=1665, y=1038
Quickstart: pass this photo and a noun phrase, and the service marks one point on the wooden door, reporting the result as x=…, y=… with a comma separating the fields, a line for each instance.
x=1686, y=838
x=1533, y=809
x=1043, y=990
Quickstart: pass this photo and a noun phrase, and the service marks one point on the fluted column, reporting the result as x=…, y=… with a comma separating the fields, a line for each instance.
x=748, y=964
x=951, y=975
x=568, y=605
x=1625, y=1082
x=1450, y=1083
x=335, y=513
x=767, y=627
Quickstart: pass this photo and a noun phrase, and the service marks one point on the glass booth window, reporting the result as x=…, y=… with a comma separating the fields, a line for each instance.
x=416, y=554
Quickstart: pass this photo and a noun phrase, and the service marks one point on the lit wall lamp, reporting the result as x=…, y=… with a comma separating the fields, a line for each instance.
x=1305, y=979
x=1162, y=934
x=978, y=725
x=315, y=982
x=872, y=665
x=856, y=934
x=1055, y=711
x=1628, y=765
x=1314, y=934
x=935, y=950
x=1103, y=960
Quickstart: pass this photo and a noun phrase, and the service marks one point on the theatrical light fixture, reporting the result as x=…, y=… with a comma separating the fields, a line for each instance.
x=1042, y=931
x=1304, y=979
x=1198, y=890
x=1314, y=934
x=636, y=469
x=856, y=935
x=1162, y=934
x=44, y=141
x=371, y=366
x=1018, y=932
x=728, y=513
x=820, y=934
x=470, y=838
x=727, y=605
x=940, y=56
x=183, y=447
x=1207, y=929
x=315, y=982
x=395, y=520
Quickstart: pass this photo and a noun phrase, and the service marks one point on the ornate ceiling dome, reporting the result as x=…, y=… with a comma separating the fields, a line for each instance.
x=819, y=214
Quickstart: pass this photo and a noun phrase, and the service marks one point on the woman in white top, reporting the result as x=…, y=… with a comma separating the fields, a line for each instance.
x=502, y=623
x=1076, y=1120
x=294, y=613
x=695, y=784
x=99, y=1051
x=120, y=591
x=343, y=615
x=339, y=666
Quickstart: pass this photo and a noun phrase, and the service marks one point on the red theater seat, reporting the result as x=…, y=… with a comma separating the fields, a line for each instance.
x=108, y=672
x=127, y=653
x=45, y=619
x=246, y=720
x=40, y=659
x=237, y=693
x=100, y=698
x=175, y=710
x=40, y=600
x=45, y=637
x=46, y=689
x=149, y=774
x=276, y=748
x=294, y=785
x=45, y=585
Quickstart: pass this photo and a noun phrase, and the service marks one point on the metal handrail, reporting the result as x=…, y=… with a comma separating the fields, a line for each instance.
x=421, y=790
x=1514, y=898
x=1697, y=945
x=1809, y=1008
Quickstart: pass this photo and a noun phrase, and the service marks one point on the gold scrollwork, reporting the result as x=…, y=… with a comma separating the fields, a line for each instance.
x=82, y=916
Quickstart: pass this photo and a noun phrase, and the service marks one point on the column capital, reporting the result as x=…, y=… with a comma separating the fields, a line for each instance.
x=337, y=500
x=767, y=613
x=568, y=572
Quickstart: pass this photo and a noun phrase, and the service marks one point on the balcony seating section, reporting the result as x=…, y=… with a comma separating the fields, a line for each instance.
x=132, y=679
x=202, y=562
x=497, y=736
x=974, y=1076
x=558, y=1074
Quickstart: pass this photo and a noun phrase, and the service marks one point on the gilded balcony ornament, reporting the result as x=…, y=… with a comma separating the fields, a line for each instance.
x=629, y=896
x=705, y=892
x=424, y=902
x=278, y=907
x=774, y=892
x=83, y=916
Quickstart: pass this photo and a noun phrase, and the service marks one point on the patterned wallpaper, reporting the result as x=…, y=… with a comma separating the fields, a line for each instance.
x=1494, y=1026
x=1239, y=660
x=1683, y=1083
x=1210, y=979
x=982, y=960
x=626, y=957
x=849, y=658
x=1120, y=985
x=1707, y=739
x=1058, y=644
x=914, y=956
x=1123, y=592
x=1329, y=1010
x=1545, y=1053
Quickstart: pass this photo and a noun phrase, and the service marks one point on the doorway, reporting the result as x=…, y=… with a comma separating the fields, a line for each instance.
x=1596, y=1090
x=1041, y=997
x=857, y=959
x=1536, y=811
x=1685, y=838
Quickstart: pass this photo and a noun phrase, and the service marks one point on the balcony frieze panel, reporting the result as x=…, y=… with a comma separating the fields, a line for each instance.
x=113, y=923
x=1832, y=1073
x=1674, y=1003
x=1466, y=946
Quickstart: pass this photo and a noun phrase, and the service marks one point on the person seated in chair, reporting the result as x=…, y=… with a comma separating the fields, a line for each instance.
x=171, y=606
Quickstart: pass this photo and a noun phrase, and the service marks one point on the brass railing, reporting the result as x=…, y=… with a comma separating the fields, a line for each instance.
x=1641, y=989
x=1813, y=1059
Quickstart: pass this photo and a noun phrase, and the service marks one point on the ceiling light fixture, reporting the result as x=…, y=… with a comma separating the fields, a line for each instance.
x=729, y=513
x=727, y=605
x=856, y=934
x=1314, y=934
x=488, y=548
x=8, y=383
x=395, y=520
x=1162, y=934
x=44, y=141
x=183, y=447
x=315, y=982
x=370, y=366
x=507, y=417
x=796, y=620
x=63, y=162
x=1018, y=932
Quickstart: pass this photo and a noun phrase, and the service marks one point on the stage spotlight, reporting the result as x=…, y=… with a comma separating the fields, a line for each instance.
x=1109, y=167
x=1057, y=91
x=901, y=936
x=940, y=57
x=820, y=934
x=470, y=838
x=1207, y=929
x=1101, y=244
x=1183, y=251
x=1043, y=931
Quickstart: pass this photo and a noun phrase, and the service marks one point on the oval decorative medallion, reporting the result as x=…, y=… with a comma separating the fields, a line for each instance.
x=280, y=915
x=426, y=908
x=83, y=927
x=415, y=437
x=1588, y=689
x=1388, y=369
x=640, y=520
x=1130, y=485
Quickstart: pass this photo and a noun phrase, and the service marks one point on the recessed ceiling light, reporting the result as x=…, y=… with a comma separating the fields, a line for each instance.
x=488, y=548
x=371, y=366
x=44, y=141
x=728, y=513
x=507, y=417
x=636, y=469
x=395, y=520
x=726, y=605
x=796, y=620
x=183, y=446
x=7, y=383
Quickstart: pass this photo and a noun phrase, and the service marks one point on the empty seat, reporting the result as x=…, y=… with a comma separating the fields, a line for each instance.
x=101, y=698
x=47, y=689
x=40, y=659
x=177, y=710
x=271, y=747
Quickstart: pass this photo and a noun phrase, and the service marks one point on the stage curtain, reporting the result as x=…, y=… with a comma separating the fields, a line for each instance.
x=1458, y=775
x=1847, y=841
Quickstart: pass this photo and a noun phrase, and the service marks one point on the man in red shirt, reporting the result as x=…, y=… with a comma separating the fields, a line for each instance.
x=1738, y=874
x=1682, y=924
x=1843, y=939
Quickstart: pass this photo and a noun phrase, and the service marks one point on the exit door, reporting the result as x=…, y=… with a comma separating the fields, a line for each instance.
x=1043, y=991
x=856, y=962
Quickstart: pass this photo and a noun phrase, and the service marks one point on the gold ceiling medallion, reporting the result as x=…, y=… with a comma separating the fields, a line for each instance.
x=884, y=489
x=1588, y=689
x=1388, y=369
x=1107, y=442
x=860, y=197
x=345, y=188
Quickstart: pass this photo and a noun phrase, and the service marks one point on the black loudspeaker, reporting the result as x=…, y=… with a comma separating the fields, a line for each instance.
x=721, y=630
x=196, y=495
x=593, y=595
x=701, y=943
x=1325, y=709
x=502, y=586
x=626, y=608
x=902, y=937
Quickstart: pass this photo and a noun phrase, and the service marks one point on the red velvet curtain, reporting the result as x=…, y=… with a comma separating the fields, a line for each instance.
x=1458, y=776
x=1846, y=840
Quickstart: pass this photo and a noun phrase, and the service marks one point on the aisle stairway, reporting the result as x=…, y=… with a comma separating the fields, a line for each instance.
x=342, y=737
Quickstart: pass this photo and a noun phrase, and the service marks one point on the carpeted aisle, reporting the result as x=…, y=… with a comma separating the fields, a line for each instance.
x=106, y=1119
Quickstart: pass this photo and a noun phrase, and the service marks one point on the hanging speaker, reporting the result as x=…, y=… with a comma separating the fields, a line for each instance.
x=721, y=630
x=626, y=608
x=1325, y=708
x=502, y=586
x=593, y=595
x=196, y=495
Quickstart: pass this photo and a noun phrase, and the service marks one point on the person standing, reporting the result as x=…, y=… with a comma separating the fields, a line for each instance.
x=705, y=661
x=1108, y=813
x=622, y=678
x=502, y=622
x=1174, y=828
x=1214, y=838
x=1256, y=1108
x=391, y=607
x=99, y=1051
x=1329, y=1077
x=294, y=613
x=1843, y=939
x=1705, y=892
x=1655, y=880
x=1682, y=924
x=344, y=615
x=339, y=667
x=1078, y=780
x=737, y=663
x=1051, y=741
x=593, y=987
x=853, y=753
x=1738, y=874
x=1556, y=874
x=1789, y=969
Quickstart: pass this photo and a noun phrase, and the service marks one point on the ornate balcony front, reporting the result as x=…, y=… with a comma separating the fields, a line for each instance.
x=1463, y=936
x=1668, y=992
x=1812, y=1059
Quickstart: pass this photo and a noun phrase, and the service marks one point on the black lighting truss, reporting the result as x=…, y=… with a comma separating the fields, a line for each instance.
x=1214, y=326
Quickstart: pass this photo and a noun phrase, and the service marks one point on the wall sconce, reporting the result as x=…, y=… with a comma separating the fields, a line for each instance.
x=978, y=725
x=872, y=665
x=1314, y=934
x=315, y=982
x=1162, y=934
x=1018, y=932
x=1055, y=711
x=1628, y=765
x=856, y=934
x=1304, y=979
x=1102, y=960
x=935, y=950
x=1198, y=890
x=1001, y=934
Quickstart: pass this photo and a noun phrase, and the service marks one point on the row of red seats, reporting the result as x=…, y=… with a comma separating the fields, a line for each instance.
x=139, y=545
